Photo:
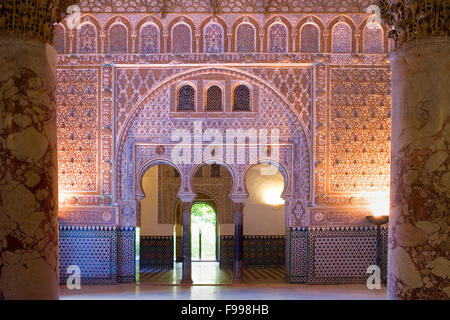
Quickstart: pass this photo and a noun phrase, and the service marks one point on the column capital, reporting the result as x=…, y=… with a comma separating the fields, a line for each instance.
x=32, y=19
x=187, y=197
x=413, y=20
x=238, y=198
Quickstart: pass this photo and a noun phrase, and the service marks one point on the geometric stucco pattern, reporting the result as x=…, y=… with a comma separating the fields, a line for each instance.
x=359, y=130
x=78, y=115
x=302, y=86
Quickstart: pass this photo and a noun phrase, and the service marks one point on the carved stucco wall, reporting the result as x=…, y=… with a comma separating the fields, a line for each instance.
x=118, y=109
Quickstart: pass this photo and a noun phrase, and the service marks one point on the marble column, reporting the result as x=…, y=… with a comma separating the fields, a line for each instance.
x=186, y=257
x=418, y=264
x=238, y=209
x=28, y=168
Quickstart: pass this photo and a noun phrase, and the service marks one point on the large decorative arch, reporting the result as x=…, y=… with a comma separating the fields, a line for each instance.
x=134, y=150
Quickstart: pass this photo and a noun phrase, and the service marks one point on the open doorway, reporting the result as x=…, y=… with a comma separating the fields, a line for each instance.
x=203, y=232
x=264, y=224
x=160, y=184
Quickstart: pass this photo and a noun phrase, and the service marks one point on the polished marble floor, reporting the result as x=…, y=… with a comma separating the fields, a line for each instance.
x=209, y=273
x=212, y=283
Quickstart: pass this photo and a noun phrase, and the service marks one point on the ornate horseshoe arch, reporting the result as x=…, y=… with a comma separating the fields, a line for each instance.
x=139, y=190
x=137, y=150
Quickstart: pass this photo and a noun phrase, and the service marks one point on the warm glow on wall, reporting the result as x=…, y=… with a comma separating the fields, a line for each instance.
x=272, y=195
x=379, y=203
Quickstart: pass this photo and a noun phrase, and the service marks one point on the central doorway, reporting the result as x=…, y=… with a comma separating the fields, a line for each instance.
x=203, y=232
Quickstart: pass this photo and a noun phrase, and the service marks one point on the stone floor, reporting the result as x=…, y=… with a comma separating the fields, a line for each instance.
x=212, y=283
x=209, y=273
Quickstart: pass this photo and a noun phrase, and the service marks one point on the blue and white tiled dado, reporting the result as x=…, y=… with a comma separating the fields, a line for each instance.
x=105, y=255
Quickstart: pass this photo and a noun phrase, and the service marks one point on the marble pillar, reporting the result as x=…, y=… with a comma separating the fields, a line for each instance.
x=186, y=257
x=238, y=209
x=28, y=168
x=28, y=171
x=419, y=242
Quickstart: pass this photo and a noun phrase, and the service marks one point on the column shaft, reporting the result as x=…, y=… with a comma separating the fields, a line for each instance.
x=238, y=208
x=420, y=171
x=186, y=255
x=28, y=171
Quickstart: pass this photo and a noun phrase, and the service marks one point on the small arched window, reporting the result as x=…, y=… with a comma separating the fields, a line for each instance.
x=278, y=38
x=149, y=39
x=118, y=39
x=309, y=38
x=241, y=98
x=373, y=38
x=181, y=39
x=245, y=38
x=214, y=98
x=186, y=98
x=87, y=39
x=342, y=38
x=213, y=41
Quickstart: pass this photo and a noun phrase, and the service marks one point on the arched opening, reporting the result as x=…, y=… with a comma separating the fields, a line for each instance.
x=211, y=211
x=158, y=223
x=213, y=38
x=87, y=38
x=203, y=231
x=149, y=39
x=264, y=224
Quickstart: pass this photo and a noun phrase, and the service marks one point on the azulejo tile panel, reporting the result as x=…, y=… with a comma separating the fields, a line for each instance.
x=105, y=255
x=126, y=253
x=262, y=251
x=297, y=255
x=338, y=255
x=157, y=252
x=341, y=255
x=92, y=249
